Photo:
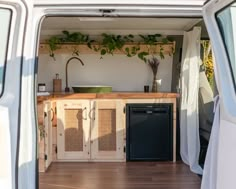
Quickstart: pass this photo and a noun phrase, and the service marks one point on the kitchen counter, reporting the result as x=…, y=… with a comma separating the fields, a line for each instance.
x=113, y=95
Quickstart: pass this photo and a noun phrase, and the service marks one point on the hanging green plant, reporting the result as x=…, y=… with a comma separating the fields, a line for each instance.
x=76, y=37
x=53, y=45
x=152, y=41
x=110, y=43
x=132, y=51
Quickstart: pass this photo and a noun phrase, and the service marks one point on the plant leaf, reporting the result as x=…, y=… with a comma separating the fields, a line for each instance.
x=142, y=55
x=158, y=35
x=103, y=51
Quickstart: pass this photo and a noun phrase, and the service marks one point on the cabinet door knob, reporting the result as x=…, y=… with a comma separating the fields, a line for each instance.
x=84, y=110
x=52, y=117
x=60, y=134
x=92, y=113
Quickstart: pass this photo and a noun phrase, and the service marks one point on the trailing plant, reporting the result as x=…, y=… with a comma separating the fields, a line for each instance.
x=152, y=41
x=132, y=51
x=53, y=45
x=111, y=43
x=76, y=37
x=67, y=37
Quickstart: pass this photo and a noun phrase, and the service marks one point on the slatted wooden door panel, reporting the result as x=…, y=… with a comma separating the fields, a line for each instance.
x=73, y=130
x=107, y=134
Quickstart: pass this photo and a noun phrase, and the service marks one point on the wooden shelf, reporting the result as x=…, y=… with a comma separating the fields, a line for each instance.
x=83, y=48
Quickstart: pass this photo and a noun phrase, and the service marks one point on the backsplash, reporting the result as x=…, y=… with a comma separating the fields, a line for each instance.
x=118, y=71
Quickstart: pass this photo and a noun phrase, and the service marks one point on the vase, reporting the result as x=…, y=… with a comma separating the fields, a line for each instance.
x=154, y=84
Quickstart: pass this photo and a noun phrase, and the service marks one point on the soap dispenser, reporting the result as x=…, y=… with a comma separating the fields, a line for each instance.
x=57, y=84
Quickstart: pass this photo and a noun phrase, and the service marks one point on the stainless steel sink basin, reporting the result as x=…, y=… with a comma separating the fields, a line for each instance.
x=91, y=89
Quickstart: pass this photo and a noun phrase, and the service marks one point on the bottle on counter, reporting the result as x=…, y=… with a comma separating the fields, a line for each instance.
x=57, y=84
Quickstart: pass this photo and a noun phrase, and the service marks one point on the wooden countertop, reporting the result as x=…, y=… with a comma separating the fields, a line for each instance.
x=113, y=95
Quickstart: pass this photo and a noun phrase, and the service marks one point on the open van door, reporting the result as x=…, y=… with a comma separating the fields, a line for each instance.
x=13, y=19
x=220, y=16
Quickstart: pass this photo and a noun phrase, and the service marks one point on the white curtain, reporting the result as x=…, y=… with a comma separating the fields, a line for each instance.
x=189, y=121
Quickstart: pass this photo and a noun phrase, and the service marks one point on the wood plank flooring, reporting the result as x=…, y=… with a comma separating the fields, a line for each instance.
x=130, y=175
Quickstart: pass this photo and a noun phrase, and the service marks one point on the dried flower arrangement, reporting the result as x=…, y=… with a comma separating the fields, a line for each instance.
x=154, y=64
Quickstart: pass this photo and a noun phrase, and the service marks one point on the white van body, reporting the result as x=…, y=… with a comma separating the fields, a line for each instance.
x=19, y=61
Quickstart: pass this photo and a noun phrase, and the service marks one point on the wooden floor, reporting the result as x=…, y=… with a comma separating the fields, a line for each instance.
x=131, y=175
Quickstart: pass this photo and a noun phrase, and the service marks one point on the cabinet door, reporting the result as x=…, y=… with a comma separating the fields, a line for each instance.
x=48, y=133
x=73, y=128
x=107, y=134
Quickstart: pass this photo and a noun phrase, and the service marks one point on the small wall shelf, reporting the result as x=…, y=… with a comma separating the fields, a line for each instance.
x=168, y=48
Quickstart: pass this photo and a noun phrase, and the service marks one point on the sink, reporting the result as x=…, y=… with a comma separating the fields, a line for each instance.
x=91, y=89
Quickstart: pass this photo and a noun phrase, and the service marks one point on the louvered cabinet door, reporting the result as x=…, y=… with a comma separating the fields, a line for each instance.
x=107, y=130
x=73, y=130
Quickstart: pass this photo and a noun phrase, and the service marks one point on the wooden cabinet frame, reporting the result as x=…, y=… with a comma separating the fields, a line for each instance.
x=93, y=116
x=72, y=121
x=107, y=131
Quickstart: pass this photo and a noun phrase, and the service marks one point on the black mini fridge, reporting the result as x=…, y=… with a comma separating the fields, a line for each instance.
x=149, y=132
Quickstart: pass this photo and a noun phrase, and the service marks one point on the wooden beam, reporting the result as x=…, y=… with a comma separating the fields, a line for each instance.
x=84, y=49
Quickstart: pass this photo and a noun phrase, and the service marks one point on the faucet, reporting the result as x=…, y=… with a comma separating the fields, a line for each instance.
x=67, y=89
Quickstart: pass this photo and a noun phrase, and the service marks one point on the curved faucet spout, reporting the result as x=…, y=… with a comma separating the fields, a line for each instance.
x=67, y=89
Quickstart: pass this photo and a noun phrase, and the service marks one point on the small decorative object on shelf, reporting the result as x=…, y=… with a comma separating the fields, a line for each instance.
x=154, y=63
x=41, y=87
x=146, y=88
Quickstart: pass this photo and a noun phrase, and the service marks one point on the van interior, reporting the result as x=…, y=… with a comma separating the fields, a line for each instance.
x=104, y=120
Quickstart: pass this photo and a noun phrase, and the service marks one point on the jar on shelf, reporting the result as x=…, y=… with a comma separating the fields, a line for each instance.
x=41, y=87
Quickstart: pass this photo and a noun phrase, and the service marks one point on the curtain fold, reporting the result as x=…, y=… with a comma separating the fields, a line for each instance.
x=189, y=118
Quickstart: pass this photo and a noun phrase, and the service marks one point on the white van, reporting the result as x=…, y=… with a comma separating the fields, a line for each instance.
x=21, y=32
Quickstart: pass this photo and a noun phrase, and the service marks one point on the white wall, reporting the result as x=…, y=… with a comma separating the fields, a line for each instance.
x=119, y=71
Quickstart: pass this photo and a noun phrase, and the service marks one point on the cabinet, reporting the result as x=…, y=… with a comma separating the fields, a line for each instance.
x=73, y=130
x=45, y=117
x=48, y=118
x=107, y=130
x=90, y=130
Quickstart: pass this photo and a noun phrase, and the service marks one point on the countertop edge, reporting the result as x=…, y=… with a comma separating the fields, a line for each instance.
x=114, y=95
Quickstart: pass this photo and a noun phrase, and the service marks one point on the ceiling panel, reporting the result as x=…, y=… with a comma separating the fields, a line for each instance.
x=97, y=25
x=90, y=23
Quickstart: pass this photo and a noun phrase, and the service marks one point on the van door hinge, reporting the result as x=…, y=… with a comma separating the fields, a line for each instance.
x=45, y=157
x=124, y=149
x=124, y=109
